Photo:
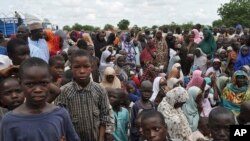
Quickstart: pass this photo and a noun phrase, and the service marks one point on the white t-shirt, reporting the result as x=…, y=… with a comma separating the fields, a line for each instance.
x=5, y=62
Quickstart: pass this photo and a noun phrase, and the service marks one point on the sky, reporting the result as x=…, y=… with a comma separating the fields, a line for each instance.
x=101, y=12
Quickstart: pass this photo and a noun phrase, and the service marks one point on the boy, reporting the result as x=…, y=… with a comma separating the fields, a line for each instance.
x=142, y=104
x=120, y=114
x=154, y=127
x=244, y=117
x=36, y=119
x=85, y=100
x=56, y=64
x=219, y=121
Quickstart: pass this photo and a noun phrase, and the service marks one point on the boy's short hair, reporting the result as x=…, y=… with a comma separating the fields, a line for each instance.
x=13, y=44
x=152, y=113
x=82, y=44
x=79, y=53
x=54, y=59
x=2, y=81
x=219, y=111
x=31, y=62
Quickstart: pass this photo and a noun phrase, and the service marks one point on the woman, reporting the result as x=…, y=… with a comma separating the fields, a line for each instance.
x=178, y=66
x=54, y=42
x=119, y=67
x=236, y=92
x=196, y=80
x=110, y=79
x=158, y=82
x=170, y=107
x=148, y=54
x=175, y=59
x=173, y=82
x=221, y=83
x=105, y=62
x=208, y=45
x=128, y=46
x=243, y=58
x=161, y=49
x=193, y=107
x=200, y=60
x=196, y=34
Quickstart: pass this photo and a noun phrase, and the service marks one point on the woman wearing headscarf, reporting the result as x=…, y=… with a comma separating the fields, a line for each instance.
x=110, y=79
x=149, y=73
x=128, y=46
x=196, y=80
x=158, y=82
x=243, y=58
x=221, y=83
x=193, y=107
x=178, y=66
x=172, y=83
x=120, y=61
x=170, y=107
x=208, y=45
x=175, y=59
x=148, y=55
x=236, y=92
x=99, y=43
x=105, y=62
x=196, y=34
x=246, y=69
x=162, y=51
x=200, y=60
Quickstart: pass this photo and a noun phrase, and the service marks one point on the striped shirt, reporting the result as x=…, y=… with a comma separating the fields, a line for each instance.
x=88, y=108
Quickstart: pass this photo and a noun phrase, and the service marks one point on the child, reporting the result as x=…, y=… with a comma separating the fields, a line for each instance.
x=142, y=104
x=244, y=117
x=85, y=100
x=121, y=115
x=11, y=95
x=56, y=66
x=134, y=93
x=154, y=127
x=43, y=120
x=203, y=132
x=243, y=58
x=219, y=121
x=67, y=77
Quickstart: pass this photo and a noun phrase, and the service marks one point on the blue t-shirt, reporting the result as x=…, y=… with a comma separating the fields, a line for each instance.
x=51, y=126
x=121, y=129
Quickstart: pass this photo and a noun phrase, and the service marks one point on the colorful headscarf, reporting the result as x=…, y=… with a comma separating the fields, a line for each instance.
x=208, y=45
x=197, y=38
x=196, y=79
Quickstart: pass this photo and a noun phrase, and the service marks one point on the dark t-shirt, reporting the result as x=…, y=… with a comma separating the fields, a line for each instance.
x=51, y=126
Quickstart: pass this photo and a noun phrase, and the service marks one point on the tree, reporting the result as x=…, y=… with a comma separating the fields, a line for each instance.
x=67, y=27
x=217, y=23
x=77, y=27
x=123, y=24
x=187, y=25
x=235, y=12
x=88, y=28
x=108, y=27
x=154, y=27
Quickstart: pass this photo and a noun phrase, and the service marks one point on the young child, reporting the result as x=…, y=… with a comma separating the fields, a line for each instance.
x=85, y=100
x=244, y=117
x=120, y=114
x=42, y=120
x=219, y=121
x=154, y=127
x=11, y=95
x=142, y=104
x=56, y=66
x=202, y=133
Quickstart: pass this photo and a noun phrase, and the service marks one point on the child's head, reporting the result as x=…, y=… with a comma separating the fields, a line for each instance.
x=244, y=116
x=203, y=126
x=81, y=66
x=35, y=79
x=197, y=52
x=153, y=126
x=67, y=77
x=71, y=50
x=130, y=87
x=82, y=44
x=146, y=90
x=11, y=95
x=244, y=51
x=56, y=64
x=219, y=121
x=18, y=51
x=114, y=97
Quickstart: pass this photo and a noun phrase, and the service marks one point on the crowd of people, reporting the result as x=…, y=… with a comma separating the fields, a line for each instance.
x=134, y=85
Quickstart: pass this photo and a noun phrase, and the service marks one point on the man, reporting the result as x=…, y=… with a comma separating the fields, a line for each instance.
x=23, y=33
x=38, y=46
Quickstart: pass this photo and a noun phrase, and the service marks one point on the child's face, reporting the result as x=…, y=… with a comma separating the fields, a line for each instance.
x=11, y=95
x=146, y=92
x=21, y=54
x=81, y=69
x=35, y=85
x=57, y=69
x=114, y=99
x=130, y=88
x=244, y=51
x=154, y=130
x=219, y=127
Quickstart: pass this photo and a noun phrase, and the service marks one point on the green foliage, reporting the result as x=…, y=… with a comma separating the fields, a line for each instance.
x=123, y=24
x=108, y=27
x=217, y=23
x=88, y=28
x=77, y=27
x=67, y=27
x=187, y=25
x=154, y=27
x=234, y=13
